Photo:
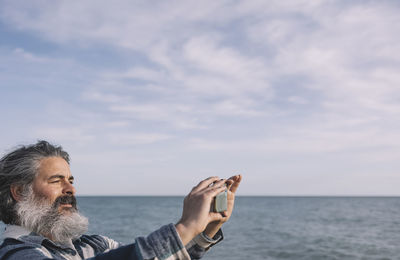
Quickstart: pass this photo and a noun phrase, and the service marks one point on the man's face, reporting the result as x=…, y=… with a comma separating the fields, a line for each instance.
x=54, y=180
x=49, y=205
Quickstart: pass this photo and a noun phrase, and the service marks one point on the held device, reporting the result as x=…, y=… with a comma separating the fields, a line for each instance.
x=221, y=201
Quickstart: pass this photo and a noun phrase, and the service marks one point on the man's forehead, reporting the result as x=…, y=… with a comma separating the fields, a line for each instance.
x=50, y=166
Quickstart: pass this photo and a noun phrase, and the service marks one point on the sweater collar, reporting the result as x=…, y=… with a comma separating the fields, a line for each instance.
x=24, y=235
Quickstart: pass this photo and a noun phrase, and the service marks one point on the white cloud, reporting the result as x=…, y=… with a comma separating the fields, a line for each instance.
x=19, y=52
x=297, y=100
x=178, y=115
x=142, y=111
x=136, y=138
x=96, y=95
x=141, y=73
x=63, y=134
x=276, y=77
x=222, y=70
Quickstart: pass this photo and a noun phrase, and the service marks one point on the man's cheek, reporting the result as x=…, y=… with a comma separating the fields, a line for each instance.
x=45, y=194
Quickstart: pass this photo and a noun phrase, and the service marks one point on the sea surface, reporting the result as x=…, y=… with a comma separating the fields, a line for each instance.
x=266, y=227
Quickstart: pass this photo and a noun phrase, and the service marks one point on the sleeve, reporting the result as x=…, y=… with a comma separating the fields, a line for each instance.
x=162, y=244
x=202, y=243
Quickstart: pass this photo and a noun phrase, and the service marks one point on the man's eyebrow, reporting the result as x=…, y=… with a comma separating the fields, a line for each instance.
x=59, y=176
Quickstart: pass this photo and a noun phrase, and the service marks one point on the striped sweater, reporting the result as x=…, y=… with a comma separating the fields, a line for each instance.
x=163, y=243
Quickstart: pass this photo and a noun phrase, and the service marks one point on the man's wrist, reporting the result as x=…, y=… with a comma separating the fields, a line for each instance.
x=212, y=229
x=185, y=233
x=206, y=242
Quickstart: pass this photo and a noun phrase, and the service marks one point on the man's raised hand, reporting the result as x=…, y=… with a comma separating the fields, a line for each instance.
x=196, y=213
x=232, y=184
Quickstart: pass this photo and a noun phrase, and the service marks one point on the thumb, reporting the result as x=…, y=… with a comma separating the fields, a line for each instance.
x=215, y=216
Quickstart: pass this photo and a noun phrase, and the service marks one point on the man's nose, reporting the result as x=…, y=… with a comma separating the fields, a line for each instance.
x=69, y=188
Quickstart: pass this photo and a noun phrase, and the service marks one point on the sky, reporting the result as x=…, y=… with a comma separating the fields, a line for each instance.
x=151, y=97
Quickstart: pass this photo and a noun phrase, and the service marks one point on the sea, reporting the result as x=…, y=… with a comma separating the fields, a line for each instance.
x=266, y=227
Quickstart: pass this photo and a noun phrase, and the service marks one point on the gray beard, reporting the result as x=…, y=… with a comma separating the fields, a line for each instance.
x=40, y=216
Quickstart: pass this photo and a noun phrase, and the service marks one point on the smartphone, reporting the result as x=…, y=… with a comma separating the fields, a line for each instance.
x=221, y=201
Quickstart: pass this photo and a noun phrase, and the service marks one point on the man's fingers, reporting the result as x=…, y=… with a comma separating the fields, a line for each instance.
x=236, y=181
x=205, y=183
x=219, y=183
x=232, y=183
x=213, y=191
x=229, y=183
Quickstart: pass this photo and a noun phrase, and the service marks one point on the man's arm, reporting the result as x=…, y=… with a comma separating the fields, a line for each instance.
x=163, y=243
x=195, y=233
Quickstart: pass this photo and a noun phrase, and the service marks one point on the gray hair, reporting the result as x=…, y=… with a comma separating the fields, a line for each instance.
x=20, y=167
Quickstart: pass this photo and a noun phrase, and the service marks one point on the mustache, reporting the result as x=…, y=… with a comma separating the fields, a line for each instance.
x=66, y=199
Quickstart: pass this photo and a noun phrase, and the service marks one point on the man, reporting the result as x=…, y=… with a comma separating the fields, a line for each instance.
x=38, y=205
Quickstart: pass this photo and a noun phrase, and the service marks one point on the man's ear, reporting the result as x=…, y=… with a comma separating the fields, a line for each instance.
x=16, y=191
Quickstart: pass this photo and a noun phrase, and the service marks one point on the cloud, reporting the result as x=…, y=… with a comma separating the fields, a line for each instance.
x=136, y=138
x=316, y=41
x=276, y=77
x=124, y=23
x=30, y=57
x=63, y=135
x=177, y=116
x=95, y=95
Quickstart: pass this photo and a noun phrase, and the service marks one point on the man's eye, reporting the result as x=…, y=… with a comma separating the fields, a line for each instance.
x=57, y=181
x=71, y=182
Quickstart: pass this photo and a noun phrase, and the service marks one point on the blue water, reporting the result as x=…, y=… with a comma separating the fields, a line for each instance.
x=267, y=227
